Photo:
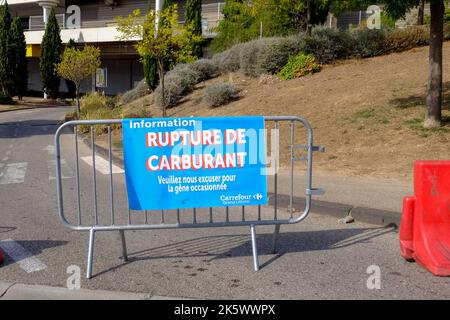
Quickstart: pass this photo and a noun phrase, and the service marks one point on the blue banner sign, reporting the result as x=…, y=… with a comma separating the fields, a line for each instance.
x=195, y=162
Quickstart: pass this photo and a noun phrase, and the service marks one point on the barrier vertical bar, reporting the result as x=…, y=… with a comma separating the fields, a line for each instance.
x=111, y=191
x=275, y=238
x=90, y=253
x=77, y=174
x=94, y=179
x=254, y=248
x=275, y=206
x=124, y=245
x=291, y=198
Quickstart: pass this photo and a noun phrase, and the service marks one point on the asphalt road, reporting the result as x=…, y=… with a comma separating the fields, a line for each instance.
x=318, y=258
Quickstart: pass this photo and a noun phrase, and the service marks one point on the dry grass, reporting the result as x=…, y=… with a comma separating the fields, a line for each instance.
x=367, y=113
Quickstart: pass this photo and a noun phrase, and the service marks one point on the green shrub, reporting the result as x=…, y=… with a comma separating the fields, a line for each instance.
x=91, y=102
x=367, y=43
x=219, y=94
x=227, y=61
x=267, y=55
x=139, y=91
x=177, y=83
x=205, y=68
x=404, y=39
x=97, y=106
x=275, y=53
x=329, y=44
x=299, y=66
x=6, y=100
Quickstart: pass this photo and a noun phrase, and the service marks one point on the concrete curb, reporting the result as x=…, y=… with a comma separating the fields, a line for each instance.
x=379, y=217
x=17, y=291
x=34, y=107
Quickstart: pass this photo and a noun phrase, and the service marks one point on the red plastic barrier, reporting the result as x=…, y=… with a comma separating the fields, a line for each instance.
x=425, y=227
x=1, y=257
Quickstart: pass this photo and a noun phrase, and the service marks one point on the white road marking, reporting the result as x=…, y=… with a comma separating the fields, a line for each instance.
x=22, y=256
x=66, y=172
x=5, y=159
x=13, y=173
x=102, y=165
x=50, y=149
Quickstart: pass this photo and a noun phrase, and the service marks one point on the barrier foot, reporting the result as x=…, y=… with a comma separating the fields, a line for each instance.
x=124, y=245
x=90, y=253
x=254, y=247
x=275, y=239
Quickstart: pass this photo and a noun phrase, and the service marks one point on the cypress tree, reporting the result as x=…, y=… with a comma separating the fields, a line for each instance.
x=6, y=52
x=19, y=63
x=71, y=87
x=166, y=4
x=50, y=56
x=151, y=71
x=194, y=17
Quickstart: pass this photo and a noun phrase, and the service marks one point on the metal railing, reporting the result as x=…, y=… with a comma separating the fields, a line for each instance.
x=211, y=13
x=87, y=218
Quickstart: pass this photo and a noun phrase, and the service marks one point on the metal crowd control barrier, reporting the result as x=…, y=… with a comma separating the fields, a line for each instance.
x=257, y=219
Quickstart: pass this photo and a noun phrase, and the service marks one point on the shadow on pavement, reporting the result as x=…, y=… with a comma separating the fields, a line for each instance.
x=32, y=248
x=28, y=128
x=225, y=246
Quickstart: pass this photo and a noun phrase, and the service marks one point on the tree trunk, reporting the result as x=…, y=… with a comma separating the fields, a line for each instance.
x=421, y=14
x=161, y=83
x=308, y=18
x=77, y=93
x=434, y=96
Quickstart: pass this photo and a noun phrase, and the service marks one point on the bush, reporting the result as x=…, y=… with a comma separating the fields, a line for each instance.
x=367, y=43
x=139, y=91
x=91, y=102
x=6, y=100
x=299, y=66
x=177, y=83
x=227, y=61
x=275, y=53
x=404, y=39
x=96, y=106
x=329, y=44
x=262, y=56
x=205, y=68
x=219, y=94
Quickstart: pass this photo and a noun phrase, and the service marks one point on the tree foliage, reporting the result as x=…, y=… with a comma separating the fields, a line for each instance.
x=194, y=18
x=71, y=87
x=173, y=42
x=6, y=52
x=76, y=65
x=50, y=56
x=150, y=65
x=19, y=62
x=244, y=21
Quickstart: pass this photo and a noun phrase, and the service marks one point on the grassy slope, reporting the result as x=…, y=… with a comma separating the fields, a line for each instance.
x=367, y=113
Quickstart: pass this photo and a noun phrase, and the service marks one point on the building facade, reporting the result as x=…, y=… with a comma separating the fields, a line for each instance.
x=93, y=22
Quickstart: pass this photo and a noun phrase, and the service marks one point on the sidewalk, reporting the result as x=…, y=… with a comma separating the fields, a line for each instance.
x=15, y=291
